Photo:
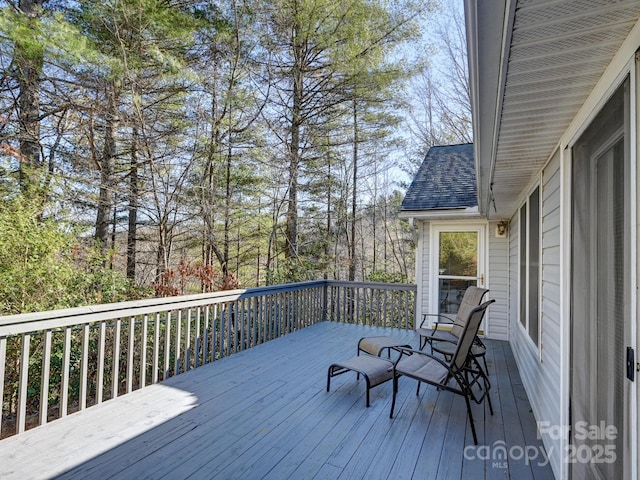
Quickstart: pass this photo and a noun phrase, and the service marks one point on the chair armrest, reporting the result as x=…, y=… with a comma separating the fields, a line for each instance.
x=428, y=339
x=439, y=315
x=411, y=351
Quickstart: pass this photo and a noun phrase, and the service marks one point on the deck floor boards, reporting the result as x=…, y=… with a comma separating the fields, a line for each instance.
x=264, y=413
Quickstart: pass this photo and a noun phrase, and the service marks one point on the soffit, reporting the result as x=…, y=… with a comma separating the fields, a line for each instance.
x=558, y=52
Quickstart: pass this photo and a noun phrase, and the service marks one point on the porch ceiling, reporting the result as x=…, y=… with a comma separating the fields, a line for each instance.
x=533, y=63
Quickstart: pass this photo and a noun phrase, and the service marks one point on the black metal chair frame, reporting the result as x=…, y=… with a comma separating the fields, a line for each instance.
x=463, y=368
x=479, y=351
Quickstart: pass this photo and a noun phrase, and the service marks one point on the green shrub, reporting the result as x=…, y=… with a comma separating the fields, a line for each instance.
x=43, y=266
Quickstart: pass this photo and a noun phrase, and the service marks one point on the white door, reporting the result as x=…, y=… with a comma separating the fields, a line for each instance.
x=458, y=262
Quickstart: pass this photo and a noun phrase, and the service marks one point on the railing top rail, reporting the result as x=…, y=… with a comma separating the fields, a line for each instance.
x=380, y=285
x=28, y=322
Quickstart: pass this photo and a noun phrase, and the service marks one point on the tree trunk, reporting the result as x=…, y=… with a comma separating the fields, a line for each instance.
x=354, y=203
x=29, y=63
x=132, y=234
x=291, y=249
x=107, y=167
x=327, y=252
x=224, y=264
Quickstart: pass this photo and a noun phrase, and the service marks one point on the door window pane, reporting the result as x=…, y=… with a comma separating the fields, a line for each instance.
x=451, y=292
x=459, y=254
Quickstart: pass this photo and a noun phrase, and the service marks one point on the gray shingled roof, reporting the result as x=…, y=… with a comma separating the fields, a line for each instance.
x=446, y=179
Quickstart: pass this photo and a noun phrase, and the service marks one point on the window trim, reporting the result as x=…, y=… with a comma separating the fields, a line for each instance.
x=525, y=308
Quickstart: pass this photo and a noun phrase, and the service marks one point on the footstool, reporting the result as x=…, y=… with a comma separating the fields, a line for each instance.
x=377, y=345
x=375, y=370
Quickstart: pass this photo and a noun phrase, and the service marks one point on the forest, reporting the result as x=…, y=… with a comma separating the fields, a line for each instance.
x=163, y=147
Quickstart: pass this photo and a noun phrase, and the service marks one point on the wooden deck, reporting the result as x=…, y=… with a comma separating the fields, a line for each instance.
x=265, y=413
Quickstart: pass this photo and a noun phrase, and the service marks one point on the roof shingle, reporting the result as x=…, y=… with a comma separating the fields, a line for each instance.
x=445, y=180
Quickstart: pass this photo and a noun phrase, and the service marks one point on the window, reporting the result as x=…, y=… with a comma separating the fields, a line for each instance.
x=530, y=265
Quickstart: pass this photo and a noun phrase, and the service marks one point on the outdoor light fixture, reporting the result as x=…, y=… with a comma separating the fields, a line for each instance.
x=501, y=229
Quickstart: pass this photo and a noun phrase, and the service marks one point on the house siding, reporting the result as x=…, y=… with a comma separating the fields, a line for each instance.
x=423, y=269
x=498, y=284
x=540, y=369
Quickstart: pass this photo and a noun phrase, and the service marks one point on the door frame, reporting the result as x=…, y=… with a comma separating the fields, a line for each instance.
x=481, y=227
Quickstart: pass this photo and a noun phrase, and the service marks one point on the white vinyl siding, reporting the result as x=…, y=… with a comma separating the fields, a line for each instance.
x=498, y=285
x=540, y=369
x=423, y=270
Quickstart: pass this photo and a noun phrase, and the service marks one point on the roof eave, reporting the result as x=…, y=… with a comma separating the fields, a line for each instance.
x=488, y=53
x=441, y=214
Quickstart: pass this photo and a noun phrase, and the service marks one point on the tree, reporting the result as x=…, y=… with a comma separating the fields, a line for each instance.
x=144, y=43
x=246, y=133
x=319, y=49
x=440, y=102
x=232, y=106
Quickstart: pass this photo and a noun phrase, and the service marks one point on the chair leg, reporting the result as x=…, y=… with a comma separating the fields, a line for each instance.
x=487, y=387
x=368, y=387
x=393, y=398
x=470, y=415
x=489, y=400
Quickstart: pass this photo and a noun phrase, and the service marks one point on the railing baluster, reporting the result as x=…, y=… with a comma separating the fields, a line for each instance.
x=298, y=311
x=223, y=317
x=44, y=385
x=214, y=334
x=257, y=320
x=23, y=382
x=394, y=316
x=66, y=361
x=176, y=366
x=290, y=311
x=196, y=354
x=304, y=296
x=167, y=347
x=236, y=325
x=240, y=322
x=115, y=366
x=384, y=309
x=267, y=318
x=205, y=339
x=130, y=351
x=187, y=343
x=156, y=349
x=293, y=311
x=250, y=334
x=84, y=366
x=143, y=351
x=101, y=360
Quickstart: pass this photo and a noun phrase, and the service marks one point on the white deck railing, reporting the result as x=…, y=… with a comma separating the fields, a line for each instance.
x=58, y=362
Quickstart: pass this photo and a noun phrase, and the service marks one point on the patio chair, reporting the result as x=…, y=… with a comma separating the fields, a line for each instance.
x=443, y=341
x=459, y=376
